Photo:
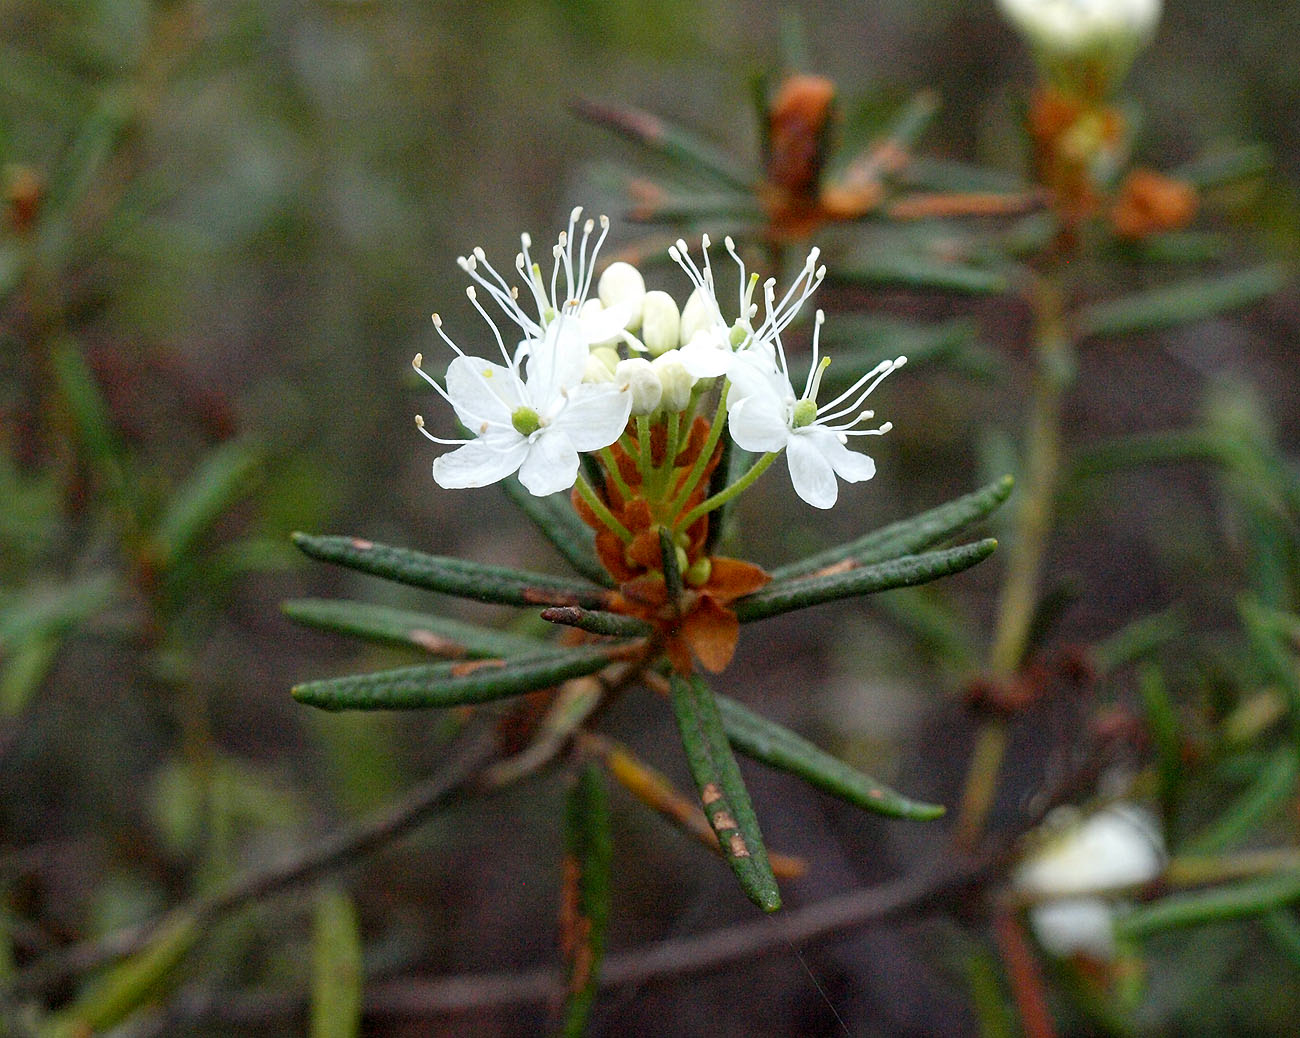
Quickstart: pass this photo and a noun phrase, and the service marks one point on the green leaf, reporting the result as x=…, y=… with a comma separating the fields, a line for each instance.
x=933, y=174
x=222, y=478
x=451, y=684
x=1183, y=303
x=1139, y=638
x=95, y=142
x=867, y=340
x=912, y=120
x=1235, y=901
x=451, y=576
x=611, y=625
x=1273, y=789
x=589, y=853
x=801, y=592
x=130, y=985
x=669, y=141
x=918, y=271
x=41, y=611
x=1223, y=167
x=909, y=535
x=722, y=791
x=778, y=747
x=337, y=973
x=1162, y=723
x=1181, y=247
x=439, y=635
x=96, y=436
x=555, y=518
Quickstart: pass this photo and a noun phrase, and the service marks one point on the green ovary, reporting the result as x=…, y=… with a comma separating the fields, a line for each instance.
x=805, y=413
x=525, y=420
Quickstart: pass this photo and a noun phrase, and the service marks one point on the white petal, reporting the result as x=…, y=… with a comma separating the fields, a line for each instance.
x=551, y=465
x=706, y=355
x=757, y=423
x=481, y=392
x=596, y=415
x=608, y=325
x=811, y=472
x=481, y=462
x=849, y=465
x=556, y=362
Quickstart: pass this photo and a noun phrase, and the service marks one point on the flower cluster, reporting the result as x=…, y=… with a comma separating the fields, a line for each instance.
x=586, y=364
x=647, y=389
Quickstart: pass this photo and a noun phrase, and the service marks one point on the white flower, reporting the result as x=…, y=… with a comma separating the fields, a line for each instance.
x=1110, y=32
x=596, y=323
x=1077, y=874
x=766, y=416
x=709, y=343
x=532, y=415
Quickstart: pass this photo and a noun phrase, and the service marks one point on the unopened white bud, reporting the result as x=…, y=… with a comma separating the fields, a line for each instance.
x=642, y=382
x=623, y=283
x=676, y=381
x=597, y=370
x=661, y=323
x=697, y=315
x=607, y=356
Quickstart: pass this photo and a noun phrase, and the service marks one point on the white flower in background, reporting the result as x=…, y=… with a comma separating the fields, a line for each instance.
x=1076, y=876
x=531, y=415
x=567, y=292
x=1107, y=32
x=766, y=416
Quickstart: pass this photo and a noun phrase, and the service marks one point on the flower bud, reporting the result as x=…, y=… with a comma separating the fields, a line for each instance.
x=641, y=382
x=597, y=370
x=623, y=283
x=698, y=315
x=1084, y=47
x=607, y=355
x=676, y=381
x=661, y=323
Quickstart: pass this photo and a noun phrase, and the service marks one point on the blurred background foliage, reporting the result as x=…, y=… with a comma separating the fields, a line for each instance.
x=227, y=225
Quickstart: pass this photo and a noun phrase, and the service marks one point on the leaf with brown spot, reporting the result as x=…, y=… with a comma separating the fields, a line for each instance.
x=714, y=769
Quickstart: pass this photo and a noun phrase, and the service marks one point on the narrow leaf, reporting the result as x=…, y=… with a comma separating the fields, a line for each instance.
x=439, y=635
x=1162, y=723
x=907, y=536
x=223, y=477
x=1139, y=638
x=1178, y=304
x=127, y=987
x=451, y=684
x=1219, y=168
x=722, y=791
x=451, y=576
x=336, y=967
x=654, y=790
x=1235, y=901
x=918, y=271
x=778, y=747
x=588, y=858
x=667, y=140
x=802, y=592
x=1273, y=789
x=560, y=525
x=96, y=436
x=613, y=625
